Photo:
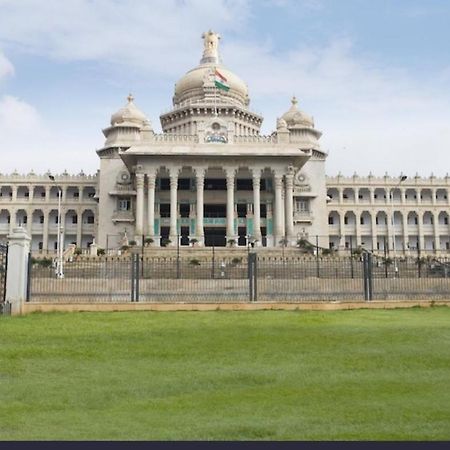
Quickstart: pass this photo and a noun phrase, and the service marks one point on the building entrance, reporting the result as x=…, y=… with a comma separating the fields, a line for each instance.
x=215, y=237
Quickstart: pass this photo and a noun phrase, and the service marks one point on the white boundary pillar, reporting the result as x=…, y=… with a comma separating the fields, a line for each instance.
x=16, y=276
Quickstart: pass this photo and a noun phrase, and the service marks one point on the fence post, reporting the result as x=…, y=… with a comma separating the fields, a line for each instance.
x=135, y=277
x=365, y=278
x=370, y=274
x=367, y=275
x=252, y=277
x=17, y=274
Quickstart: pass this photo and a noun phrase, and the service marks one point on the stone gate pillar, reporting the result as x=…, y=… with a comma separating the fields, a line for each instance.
x=17, y=273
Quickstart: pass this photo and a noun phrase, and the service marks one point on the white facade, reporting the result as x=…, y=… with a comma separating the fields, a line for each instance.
x=211, y=179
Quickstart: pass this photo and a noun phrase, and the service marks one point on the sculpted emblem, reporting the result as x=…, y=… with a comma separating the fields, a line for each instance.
x=123, y=178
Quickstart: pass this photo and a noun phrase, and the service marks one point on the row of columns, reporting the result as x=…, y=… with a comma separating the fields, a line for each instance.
x=230, y=176
x=388, y=193
x=47, y=189
x=391, y=230
x=45, y=225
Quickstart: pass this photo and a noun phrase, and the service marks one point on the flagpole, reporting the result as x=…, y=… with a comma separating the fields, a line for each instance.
x=215, y=94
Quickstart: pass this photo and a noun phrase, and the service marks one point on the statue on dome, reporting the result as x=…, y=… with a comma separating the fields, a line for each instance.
x=211, y=45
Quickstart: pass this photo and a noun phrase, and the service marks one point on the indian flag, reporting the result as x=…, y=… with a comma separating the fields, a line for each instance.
x=220, y=81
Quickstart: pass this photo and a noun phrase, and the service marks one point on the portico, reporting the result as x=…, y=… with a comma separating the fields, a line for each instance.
x=241, y=196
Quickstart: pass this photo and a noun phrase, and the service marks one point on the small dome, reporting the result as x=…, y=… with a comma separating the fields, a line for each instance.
x=129, y=114
x=198, y=82
x=297, y=119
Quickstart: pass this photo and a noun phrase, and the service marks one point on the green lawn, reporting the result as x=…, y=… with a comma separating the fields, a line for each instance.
x=367, y=374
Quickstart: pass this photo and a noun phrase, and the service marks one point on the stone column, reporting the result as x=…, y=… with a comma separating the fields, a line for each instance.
x=14, y=193
x=358, y=228
x=405, y=230
x=16, y=276
x=373, y=218
x=139, y=229
x=437, y=240
x=173, y=233
x=200, y=183
x=30, y=193
x=151, y=178
x=45, y=232
x=79, y=228
x=278, y=232
x=342, y=229
x=257, y=206
x=29, y=213
x=420, y=233
x=230, y=175
x=47, y=193
x=371, y=193
x=390, y=230
x=289, y=208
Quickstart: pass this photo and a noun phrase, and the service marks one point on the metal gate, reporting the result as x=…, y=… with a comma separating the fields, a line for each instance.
x=5, y=307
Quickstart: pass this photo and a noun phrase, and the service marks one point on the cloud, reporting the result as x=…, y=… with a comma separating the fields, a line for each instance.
x=150, y=35
x=33, y=143
x=385, y=117
x=6, y=67
x=17, y=115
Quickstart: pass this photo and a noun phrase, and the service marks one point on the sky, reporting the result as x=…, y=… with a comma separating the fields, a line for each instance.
x=374, y=74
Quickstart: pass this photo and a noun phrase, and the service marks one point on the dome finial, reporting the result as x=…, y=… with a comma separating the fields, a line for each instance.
x=130, y=98
x=294, y=101
x=210, y=47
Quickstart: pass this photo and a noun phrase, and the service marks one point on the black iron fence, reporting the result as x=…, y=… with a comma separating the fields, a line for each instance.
x=249, y=277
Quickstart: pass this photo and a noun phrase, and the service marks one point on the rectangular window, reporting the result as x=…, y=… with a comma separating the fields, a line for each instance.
x=263, y=210
x=42, y=194
x=185, y=209
x=244, y=184
x=164, y=210
x=345, y=220
x=361, y=220
x=90, y=219
x=40, y=245
x=41, y=219
x=164, y=184
x=124, y=204
x=330, y=220
x=241, y=209
x=302, y=205
x=27, y=194
x=25, y=218
x=74, y=219
x=184, y=184
x=76, y=194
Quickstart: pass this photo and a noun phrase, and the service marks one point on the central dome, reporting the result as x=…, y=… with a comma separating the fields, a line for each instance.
x=210, y=81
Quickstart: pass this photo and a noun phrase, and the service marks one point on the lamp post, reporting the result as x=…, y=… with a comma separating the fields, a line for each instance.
x=391, y=196
x=59, y=240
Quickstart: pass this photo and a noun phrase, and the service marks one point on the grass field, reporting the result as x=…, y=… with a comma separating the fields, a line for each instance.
x=271, y=375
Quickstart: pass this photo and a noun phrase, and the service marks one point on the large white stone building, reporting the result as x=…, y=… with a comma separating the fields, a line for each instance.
x=211, y=179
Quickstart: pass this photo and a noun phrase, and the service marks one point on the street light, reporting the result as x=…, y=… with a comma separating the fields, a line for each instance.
x=391, y=195
x=59, y=240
